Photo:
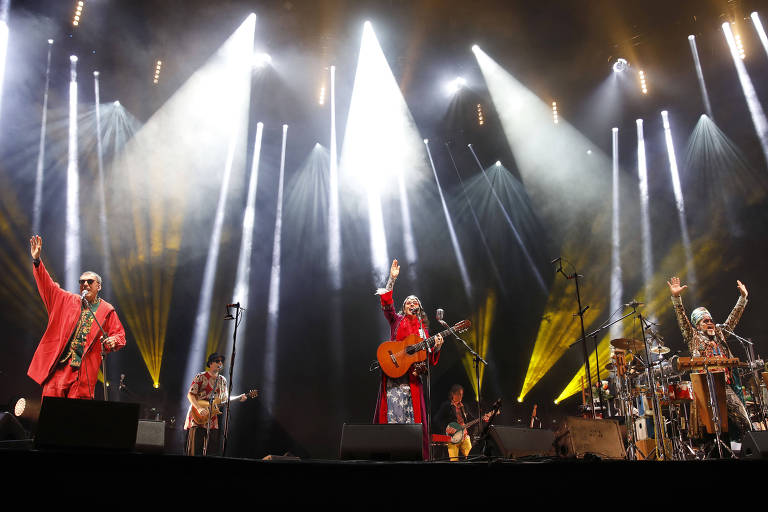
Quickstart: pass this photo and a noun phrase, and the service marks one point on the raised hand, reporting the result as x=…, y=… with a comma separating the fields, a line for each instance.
x=674, y=286
x=742, y=288
x=394, y=270
x=35, y=246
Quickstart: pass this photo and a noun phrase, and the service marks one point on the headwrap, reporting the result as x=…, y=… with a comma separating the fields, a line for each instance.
x=409, y=298
x=697, y=315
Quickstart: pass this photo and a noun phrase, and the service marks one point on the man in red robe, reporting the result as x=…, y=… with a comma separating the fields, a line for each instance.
x=66, y=362
x=402, y=400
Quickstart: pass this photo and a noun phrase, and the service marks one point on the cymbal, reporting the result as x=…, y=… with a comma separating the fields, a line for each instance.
x=660, y=349
x=628, y=344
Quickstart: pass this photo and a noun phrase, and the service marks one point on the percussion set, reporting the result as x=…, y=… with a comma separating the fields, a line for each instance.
x=658, y=413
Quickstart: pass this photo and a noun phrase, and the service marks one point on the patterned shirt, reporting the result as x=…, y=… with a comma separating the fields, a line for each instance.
x=73, y=352
x=205, y=384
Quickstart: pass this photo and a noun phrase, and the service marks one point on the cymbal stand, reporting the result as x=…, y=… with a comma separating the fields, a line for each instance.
x=658, y=431
x=629, y=411
x=749, y=349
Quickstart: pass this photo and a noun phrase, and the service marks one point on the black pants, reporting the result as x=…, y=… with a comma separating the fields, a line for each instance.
x=196, y=439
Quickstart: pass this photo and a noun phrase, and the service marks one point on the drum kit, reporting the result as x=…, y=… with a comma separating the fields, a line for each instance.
x=658, y=413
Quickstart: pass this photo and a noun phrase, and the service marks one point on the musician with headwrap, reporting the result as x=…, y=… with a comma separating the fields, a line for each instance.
x=705, y=339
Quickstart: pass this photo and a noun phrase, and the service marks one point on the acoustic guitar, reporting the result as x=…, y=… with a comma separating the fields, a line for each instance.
x=395, y=357
x=202, y=419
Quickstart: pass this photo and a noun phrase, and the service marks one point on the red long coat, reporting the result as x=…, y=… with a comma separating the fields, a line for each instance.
x=63, y=313
x=402, y=326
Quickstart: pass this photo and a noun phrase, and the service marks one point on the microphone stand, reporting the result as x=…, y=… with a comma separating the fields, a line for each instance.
x=749, y=349
x=428, y=419
x=237, y=320
x=476, y=362
x=580, y=314
x=103, y=352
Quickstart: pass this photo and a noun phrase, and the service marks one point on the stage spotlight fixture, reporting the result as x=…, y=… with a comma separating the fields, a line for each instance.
x=50, y=41
x=261, y=59
x=455, y=85
x=27, y=409
x=73, y=58
x=620, y=65
x=426, y=141
x=554, y=112
x=520, y=399
x=96, y=74
x=475, y=48
x=480, y=115
x=78, y=13
x=643, y=83
x=116, y=103
x=498, y=163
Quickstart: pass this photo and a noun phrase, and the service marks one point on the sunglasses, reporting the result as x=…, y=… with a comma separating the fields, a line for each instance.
x=221, y=361
x=89, y=281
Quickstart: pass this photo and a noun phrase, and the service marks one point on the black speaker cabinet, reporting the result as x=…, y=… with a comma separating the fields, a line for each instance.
x=381, y=442
x=578, y=437
x=67, y=423
x=150, y=436
x=754, y=445
x=514, y=442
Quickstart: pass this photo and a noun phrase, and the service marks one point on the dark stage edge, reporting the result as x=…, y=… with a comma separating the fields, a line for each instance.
x=308, y=480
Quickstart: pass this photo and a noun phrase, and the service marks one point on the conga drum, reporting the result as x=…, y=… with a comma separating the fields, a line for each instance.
x=701, y=398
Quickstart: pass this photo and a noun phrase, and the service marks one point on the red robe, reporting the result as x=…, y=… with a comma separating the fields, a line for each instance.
x=402, y=326
x=63, y=314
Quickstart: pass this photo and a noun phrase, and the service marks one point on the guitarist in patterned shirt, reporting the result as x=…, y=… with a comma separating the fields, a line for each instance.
x=206, y=386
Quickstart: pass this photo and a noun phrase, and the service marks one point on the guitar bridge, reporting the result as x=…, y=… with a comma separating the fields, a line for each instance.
x=394, y=359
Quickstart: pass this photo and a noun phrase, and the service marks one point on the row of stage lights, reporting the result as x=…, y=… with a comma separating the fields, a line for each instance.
x=158, y=67
x=78, y=13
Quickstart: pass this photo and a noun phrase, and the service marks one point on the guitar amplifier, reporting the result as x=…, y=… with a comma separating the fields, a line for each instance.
x=150, y=436
x=381, y=442
x=578, y=437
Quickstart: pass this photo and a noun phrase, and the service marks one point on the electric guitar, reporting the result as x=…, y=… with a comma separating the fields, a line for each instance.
x=201, y=419
x=395, y=357
x=458, y=436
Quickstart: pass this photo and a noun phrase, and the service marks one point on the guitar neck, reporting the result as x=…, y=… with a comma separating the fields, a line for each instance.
x=429, y=341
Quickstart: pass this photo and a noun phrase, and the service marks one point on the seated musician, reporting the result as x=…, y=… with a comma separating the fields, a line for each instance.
x=206, y=386
x=402, y=400
x=705, y=339
x=451, y=413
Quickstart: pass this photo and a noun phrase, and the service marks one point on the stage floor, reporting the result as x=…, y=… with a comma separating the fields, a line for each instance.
x=302, y=480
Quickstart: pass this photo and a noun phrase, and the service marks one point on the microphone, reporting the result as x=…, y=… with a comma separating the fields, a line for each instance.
x=439, y=315
x=82, y=296
x=234, y=305
x=634, y=304
x=555, y=260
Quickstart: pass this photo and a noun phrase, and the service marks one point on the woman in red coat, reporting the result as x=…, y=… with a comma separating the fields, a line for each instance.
x=401, y=400
x=66, y=362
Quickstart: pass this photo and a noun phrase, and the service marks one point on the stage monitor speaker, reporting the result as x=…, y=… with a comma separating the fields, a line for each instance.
x=150, y=436
x=754, y=445
x=68, y=423
x=515, y=442
x=578, y=437
x=381, y=442
x=10, y=428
